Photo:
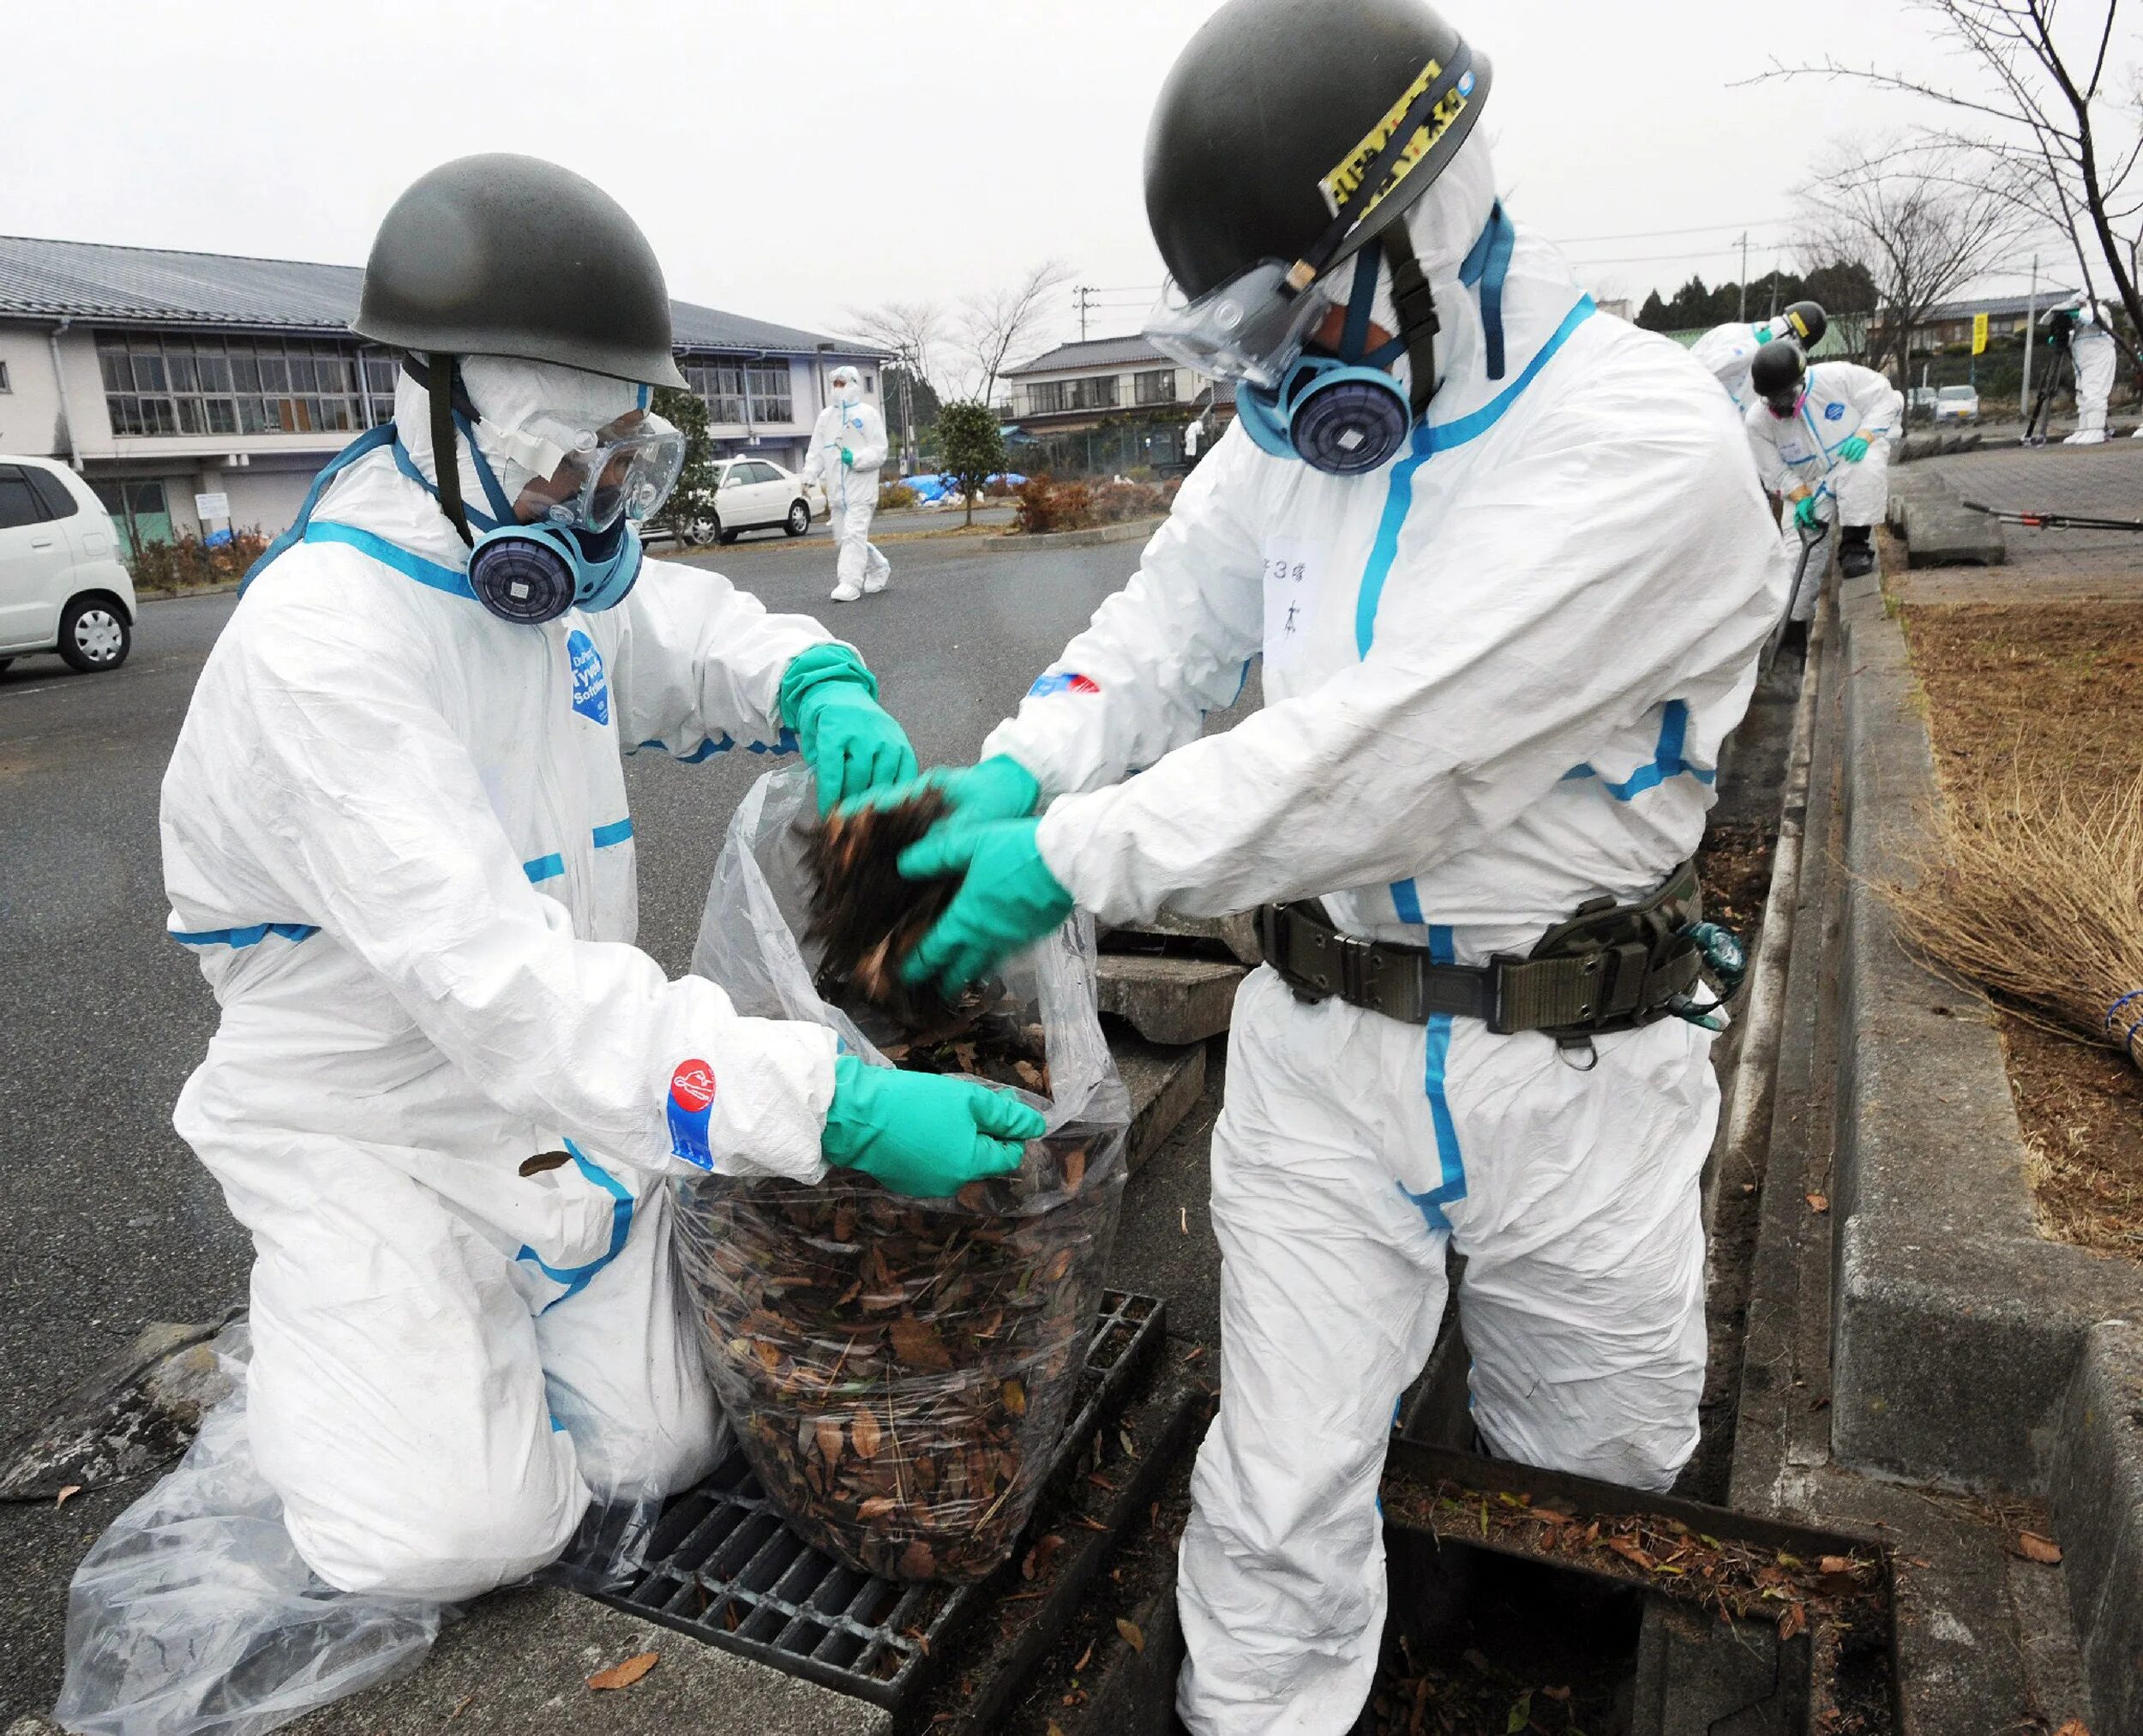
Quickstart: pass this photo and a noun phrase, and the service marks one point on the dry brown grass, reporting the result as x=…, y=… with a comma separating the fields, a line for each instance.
x=2035, y=896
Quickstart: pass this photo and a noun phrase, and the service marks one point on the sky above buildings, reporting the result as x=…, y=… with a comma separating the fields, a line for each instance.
x=794, y=161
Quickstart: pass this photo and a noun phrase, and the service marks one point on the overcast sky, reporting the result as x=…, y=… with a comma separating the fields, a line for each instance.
x=791, y=161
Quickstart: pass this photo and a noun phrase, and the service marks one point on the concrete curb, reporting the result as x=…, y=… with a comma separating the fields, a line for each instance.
x=1131, y=530
x=1969, y=1351
x=223, y=589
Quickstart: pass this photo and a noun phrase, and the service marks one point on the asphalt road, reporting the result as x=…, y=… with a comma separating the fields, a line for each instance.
x=112, y=1223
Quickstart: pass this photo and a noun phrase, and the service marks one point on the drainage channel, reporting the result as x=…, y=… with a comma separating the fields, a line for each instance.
x=721, y=1566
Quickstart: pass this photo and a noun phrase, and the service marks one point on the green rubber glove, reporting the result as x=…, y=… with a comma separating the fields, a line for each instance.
x=851, y=741
x=1854, y=449
x=848, y=458
x=1805, y=513
x=1007, y=899
x=1000, y=788
x=928, y=1134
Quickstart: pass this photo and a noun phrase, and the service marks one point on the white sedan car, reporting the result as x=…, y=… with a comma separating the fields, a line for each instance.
x=62, y=586
x=756, y=494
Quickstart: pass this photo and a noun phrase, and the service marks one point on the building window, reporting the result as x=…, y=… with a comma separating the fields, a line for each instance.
x=743, y=392
x=1095, y=392
x=1045, y=397
x=156, y=385
x=5, y=384
x=140, y=513
x=1157, y=386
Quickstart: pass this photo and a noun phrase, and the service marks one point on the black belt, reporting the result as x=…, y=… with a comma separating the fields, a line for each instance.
x=1611, y=967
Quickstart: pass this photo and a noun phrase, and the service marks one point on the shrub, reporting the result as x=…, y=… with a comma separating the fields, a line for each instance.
x=1045, y=505
x=187, y=563
x=895, y=497
x=974, y=449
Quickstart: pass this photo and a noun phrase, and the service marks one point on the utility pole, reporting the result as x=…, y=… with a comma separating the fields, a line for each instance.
x=1744, y=276
x=2030, y=327
x=1081, y=294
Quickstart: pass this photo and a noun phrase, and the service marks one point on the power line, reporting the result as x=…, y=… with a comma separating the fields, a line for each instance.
x=1656, y=234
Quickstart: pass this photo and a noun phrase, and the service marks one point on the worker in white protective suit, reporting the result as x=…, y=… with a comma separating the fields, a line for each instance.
x=1729, y=350
x=446, y=1090
x=1510, y=574
x=1822, y=439
x=2096, y=356
x=847, y=445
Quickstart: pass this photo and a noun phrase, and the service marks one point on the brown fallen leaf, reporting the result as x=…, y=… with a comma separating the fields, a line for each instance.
x=461, y=1705
x=2033, y=1547
x=1631, y=1553
x=916, y=1343
x=1014, y=1394
x=1132, y=1637
x=2074, y=1727
x=828, y=1432
x=1074, y=1167
x=1794, y=1620
x=1055, y=1728
x=71, y=1489
x=1836, y=1563
x=1558, y=1694
x=544, y=1161
x=1819, y=1204
x=625, y=1674
x=1083, y=1657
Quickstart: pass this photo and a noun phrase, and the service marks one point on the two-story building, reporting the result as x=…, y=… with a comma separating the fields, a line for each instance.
x=162, y=376
x=1105, y=405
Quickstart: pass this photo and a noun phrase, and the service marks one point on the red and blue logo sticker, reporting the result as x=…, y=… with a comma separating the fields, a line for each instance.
x=691, y=1105
x=1063, y=682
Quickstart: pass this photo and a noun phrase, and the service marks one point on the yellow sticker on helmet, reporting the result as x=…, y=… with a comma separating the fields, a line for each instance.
x=1344, y=183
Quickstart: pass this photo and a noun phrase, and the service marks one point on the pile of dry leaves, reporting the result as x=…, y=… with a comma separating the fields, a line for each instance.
x=898, y=1370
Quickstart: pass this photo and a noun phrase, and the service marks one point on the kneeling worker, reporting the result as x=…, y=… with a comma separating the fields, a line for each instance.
x=1822, y=439
x=395, y=836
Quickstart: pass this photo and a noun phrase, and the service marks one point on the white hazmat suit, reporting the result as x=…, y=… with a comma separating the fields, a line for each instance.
x=847, y=445
x=2097, y=357
x=1497, y=673
x=395, y=835
x=1728, y=352
x=1799, y=453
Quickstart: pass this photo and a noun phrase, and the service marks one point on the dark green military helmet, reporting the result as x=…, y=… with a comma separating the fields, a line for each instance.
x=1273, y=111
x=506, y=255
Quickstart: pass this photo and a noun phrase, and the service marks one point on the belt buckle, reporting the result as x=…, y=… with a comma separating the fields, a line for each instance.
x=1355, y=957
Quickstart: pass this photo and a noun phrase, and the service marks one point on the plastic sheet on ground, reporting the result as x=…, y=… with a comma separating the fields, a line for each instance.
x=193, y=1615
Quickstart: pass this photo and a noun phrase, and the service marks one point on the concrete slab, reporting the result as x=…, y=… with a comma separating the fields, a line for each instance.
x=1170, y=1000
x=1942, y=533
x=518, y=1665
x=1165, y=1081
x=2097, y=1492
x=1237, y=932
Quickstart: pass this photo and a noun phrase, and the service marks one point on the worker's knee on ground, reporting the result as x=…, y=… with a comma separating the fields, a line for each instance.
x=446, y=1541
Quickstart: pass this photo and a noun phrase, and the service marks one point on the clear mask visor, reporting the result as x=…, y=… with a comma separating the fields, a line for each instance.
x=1250, y=329
x=623, y=470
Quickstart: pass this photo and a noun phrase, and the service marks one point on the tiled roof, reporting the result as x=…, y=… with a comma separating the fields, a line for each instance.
x=1094, y=353
x=89, y=280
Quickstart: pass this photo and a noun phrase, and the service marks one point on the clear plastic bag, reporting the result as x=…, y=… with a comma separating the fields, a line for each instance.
x=194, y=1614
x=898, y=1370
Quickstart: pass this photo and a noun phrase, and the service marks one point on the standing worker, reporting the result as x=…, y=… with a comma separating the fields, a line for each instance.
x=847, y=445
x=2081, y=320
x=1193, y=441
x=1510, y=574
x=1728, y=350
x=446, y=1090
x=1822, y=438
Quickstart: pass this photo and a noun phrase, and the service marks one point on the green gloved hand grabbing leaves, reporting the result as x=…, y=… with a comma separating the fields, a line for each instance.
x=1000, y=788
x=848, y=740
x=1007, y=899
x=926, y=1134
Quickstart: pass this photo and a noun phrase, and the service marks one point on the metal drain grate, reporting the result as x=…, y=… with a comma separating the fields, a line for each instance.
x=721, y=1566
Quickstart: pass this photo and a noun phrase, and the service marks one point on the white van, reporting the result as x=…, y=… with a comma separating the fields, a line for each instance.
x=62, y=587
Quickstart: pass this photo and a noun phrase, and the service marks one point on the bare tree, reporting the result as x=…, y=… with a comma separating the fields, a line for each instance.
x=996, y=323
x=2039, y=109
x=1922, y=229
x=908, y=332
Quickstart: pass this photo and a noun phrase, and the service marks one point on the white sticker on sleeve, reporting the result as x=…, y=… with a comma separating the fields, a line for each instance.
x=1292, y=578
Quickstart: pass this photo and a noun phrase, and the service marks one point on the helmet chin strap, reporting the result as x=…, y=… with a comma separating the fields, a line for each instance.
x=446, y=451
x=1415, y=303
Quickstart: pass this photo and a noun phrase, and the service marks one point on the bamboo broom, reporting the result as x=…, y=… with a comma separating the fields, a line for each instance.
x=2038, y=902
